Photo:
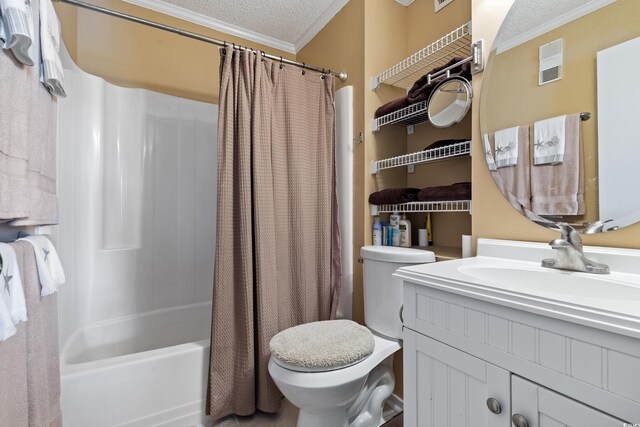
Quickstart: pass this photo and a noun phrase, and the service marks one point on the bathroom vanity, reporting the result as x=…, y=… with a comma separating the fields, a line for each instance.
x=498, y=340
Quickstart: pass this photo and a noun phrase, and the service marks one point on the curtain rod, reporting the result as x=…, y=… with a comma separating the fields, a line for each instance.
x=341, y=75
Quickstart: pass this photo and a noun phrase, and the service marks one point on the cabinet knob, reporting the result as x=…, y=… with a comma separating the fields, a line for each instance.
x=519, y=421
x=494, y=405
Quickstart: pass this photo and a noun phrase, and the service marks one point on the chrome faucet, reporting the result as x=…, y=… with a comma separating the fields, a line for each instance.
x=570, y=253
x=595, y=227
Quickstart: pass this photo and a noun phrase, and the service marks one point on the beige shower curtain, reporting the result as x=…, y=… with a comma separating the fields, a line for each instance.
x=277, y=247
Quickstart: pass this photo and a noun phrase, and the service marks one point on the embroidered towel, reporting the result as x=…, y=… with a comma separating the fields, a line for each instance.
x=549, y=141
x=16, y=29
x=50, y=269
x=11, y=289
x=488, y=153
x=515, y=182
x=506, y=141
x=51, y=71
x=558, y=189
x=7, y=327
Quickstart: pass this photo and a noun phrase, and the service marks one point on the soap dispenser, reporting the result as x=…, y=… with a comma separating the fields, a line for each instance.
x=405, y=232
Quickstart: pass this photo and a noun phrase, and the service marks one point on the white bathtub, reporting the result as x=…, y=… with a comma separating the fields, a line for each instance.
x=138, y=371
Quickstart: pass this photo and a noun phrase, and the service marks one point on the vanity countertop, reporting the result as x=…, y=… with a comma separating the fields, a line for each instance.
x=509, y=273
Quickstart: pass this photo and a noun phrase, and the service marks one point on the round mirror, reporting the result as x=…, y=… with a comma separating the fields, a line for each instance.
x=559, y=113
x=449, y=102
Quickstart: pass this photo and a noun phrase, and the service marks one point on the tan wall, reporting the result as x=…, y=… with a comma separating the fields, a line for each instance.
x=493, y=217
x=133, y=55
x=515, y=71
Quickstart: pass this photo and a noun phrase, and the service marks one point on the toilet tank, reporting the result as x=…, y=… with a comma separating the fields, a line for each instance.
x=382, y=291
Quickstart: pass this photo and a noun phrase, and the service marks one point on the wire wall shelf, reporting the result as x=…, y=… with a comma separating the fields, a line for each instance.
x=457, y=43
x=412, y=115
x=421, y=157
x=442, y=206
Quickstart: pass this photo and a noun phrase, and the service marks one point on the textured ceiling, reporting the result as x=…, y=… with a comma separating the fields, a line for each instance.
x=527, y=16
x=293, y=22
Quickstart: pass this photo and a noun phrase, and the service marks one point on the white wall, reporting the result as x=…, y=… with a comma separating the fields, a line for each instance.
x=137, y=189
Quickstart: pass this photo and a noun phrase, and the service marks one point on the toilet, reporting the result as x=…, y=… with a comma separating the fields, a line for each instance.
x=339, y=373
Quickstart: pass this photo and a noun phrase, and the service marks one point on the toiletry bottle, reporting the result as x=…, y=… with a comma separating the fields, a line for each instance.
x=385, y=233
x=405, y=232
x=377, y=232
x=429, y=234
x=394, y=220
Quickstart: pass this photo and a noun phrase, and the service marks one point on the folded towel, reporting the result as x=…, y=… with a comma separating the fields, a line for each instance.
x=506, y=142
x=549, y=141
x=7, y=327
x=515, y=182
x=445, y=143
x=391, y=106
x=558, y=189
x=445, y=193
x=392, y=196
x=488, y=153
x=50, y=269
x=11, y=290
x=51, y=71
x=16, y=29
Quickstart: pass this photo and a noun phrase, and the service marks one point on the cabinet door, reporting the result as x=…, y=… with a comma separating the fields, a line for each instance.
x=445, y=387
x=542, y=407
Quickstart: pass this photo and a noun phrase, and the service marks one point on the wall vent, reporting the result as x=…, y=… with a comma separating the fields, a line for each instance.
x=439, y=4
x=550, y=56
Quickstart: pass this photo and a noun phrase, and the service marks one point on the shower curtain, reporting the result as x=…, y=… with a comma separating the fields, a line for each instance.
x=277, y=258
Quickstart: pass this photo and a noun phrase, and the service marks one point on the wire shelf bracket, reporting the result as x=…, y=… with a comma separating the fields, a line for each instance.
x=437, y=206
x=456, y=43
x=421, y=157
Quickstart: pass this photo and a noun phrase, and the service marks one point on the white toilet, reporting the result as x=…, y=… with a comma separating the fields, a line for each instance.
x=342, y=374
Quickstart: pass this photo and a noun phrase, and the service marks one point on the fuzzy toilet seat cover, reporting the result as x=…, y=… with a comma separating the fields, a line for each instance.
x=322, y=346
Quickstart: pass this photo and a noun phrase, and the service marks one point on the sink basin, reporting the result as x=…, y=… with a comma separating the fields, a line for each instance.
x=554, y=284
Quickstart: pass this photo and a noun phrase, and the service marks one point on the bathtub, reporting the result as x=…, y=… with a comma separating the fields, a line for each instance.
x=138, y=371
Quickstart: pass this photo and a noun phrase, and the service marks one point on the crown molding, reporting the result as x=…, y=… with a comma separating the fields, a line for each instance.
x=322, y=20
x=215, y=24
x=557, y=22
x=405, y=2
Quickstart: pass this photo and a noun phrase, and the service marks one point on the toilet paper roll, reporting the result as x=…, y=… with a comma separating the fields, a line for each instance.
x=466, y=246
x=422, y=237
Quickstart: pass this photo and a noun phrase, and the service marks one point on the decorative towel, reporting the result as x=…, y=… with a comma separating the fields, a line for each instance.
x=488, y=153
x=559, y=189
x=445, y=193
x=392, y=196
x=51, y=72
x=7, y=327
x=515, y=182
x=16, y=29
x=50, y=269
x=549, y=141
x=11, y=291
x=506, y=141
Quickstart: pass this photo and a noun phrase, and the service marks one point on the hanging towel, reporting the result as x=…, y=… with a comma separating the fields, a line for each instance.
x=11, y=289
x=16, y=29
x=488, y=152
x=50, y=269
x=506, y=141
x=7, y=327
x=51, y=72
x=558, y=189
x=515, y=182
x=549, y=141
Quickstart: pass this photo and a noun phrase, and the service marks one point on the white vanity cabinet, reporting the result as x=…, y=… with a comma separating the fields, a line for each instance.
x=548, y=363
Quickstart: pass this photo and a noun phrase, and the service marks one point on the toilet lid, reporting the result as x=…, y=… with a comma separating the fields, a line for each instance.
x=322, y=346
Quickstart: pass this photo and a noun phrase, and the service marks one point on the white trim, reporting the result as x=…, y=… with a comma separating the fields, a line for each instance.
x=215, y=24
x=553, y=24
x=395, y=403
x=405, y=2
x=319, y=24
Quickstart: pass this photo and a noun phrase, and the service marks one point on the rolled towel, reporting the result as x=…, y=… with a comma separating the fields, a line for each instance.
x=11, y=290
x=50, y=269
x=421, y=89
x=392, y=196
x=51, y=71
x=549, y=141
x=17, y=29
x=391, y=106
x=457, y=191
x=506, y=141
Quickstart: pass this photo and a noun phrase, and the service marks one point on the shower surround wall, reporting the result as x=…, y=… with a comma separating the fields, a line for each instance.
x=137, y=188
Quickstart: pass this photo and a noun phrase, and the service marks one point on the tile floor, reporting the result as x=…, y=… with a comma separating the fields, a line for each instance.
x=287, y=417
